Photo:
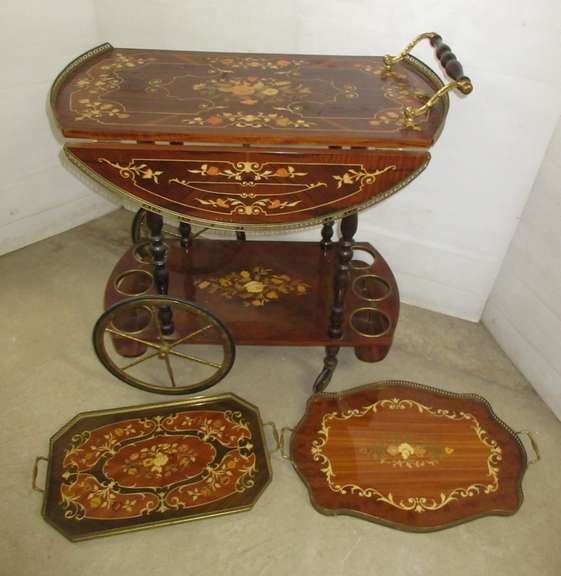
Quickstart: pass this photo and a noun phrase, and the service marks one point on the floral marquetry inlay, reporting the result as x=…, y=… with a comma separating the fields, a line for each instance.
x=408, y=456
x=254, y=188
x=255, y=287
x=187, y=92
x=399, y=451
x=113, y=471
x=183, y=460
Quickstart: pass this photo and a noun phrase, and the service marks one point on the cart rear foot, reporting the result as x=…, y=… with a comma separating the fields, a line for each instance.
x=329, y=365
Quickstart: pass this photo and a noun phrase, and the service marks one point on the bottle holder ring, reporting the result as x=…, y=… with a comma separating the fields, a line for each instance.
x=371, y=287
x=362, y=259
x=133, y=320
x=370, y=322
x=134, y=282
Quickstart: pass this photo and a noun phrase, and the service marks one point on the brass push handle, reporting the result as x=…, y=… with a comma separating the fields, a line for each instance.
x=450, y=64
x=35, y=472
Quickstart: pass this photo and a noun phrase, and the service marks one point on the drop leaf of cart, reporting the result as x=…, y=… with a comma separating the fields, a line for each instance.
x=247, y=143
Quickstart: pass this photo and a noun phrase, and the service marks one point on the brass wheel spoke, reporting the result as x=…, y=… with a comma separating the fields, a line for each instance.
x=193, y=334
x=134, y=338
x=139, y=361
x=138, y=342
x=195, y=359
x=170, y=371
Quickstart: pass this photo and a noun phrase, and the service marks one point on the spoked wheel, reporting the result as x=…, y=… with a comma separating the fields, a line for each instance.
x=130, y=343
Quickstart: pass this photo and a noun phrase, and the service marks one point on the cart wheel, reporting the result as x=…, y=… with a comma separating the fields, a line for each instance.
x=129, y=342
x=139, y=228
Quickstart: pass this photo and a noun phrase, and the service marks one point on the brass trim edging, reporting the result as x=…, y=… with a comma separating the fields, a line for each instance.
x=126, y=273
x=112, y=323
x=440, y=392
x=83, y=167
x=71, y=67
x=366, y=266
x=379, y=278
x=370, y=309
x=124, y=410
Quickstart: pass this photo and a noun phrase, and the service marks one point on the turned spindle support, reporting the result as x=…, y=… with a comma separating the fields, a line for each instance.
x=349, y=225
x=161, y=276
x=326, y=235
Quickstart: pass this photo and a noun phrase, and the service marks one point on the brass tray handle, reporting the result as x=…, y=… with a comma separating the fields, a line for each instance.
x=35, y=472
x=276, y=436
x=283, y=452
x=534, y=444
x=450, y=64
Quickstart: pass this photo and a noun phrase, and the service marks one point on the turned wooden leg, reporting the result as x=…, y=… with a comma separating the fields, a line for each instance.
x=326, y=235
x=329, y=365
x=185, y=231
x=349, y=226
x=161, y=276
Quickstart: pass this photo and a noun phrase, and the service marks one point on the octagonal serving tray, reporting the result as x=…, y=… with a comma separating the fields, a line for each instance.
x=408, y=456
x=113, y=471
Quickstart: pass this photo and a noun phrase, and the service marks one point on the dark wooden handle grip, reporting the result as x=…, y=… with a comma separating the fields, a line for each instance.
x=451, y=64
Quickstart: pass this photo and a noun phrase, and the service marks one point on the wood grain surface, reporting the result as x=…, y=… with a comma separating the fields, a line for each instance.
x=273, y=292
x=177, y=96
x=114, y=471
x=245, y=188
x=411, y=457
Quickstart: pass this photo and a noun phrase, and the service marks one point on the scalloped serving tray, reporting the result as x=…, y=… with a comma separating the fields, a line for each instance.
x=408, y=456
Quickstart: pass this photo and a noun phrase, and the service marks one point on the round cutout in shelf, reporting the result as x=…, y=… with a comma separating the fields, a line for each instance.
x=134, y=282
x=362, y=259
x=371, y=287
x=370, y=322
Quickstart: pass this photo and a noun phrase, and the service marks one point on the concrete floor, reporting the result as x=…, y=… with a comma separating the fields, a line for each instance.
x=51, y=296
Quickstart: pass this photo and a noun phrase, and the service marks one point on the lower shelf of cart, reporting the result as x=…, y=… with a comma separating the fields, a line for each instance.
x=272, y=292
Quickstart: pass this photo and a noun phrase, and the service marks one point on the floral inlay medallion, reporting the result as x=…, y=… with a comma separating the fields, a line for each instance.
x=406, y=455
x=255, y=287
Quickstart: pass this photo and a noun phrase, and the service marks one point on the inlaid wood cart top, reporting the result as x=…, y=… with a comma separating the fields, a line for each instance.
x=114, y=93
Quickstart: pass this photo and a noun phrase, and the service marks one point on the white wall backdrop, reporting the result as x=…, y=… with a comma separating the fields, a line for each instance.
x=445, y=235
x=38, y=198
x=524, y=309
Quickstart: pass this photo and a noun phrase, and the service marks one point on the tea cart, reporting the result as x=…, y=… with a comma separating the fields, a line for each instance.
x=247, y=143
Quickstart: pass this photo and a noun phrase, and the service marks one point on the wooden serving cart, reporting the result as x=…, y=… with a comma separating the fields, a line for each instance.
x=247, y=143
